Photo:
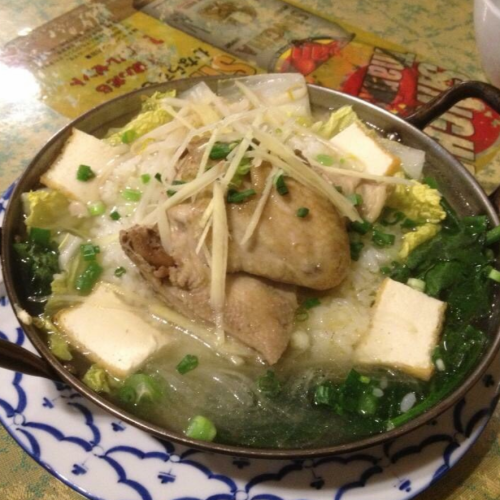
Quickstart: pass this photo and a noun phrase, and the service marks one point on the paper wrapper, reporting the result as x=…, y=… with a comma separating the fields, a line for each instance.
x=101, y=50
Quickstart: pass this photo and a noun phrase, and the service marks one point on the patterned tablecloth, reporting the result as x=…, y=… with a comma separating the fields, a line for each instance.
x=440, y=31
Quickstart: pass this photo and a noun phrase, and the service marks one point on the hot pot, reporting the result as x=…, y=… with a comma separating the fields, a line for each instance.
x=456, y=183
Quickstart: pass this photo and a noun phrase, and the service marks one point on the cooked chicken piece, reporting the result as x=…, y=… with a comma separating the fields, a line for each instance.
x=374, y=196
x=257, y=312
x=311, y=252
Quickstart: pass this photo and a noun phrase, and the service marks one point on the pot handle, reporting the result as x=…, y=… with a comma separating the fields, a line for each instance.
x=17, y=358
x=443, y=102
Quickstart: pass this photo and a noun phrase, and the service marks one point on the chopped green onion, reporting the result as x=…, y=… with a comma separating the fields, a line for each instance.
x=130, y=194
x=269, y=384
x=391, y=218
x=234, y=196
x=325, y=160
x=361, y=227
x=364, y=379
x=494, y=275
x=356, y=199
x=115, y=215
x=158, y=176
x=120, y=271
x=145, y=178
x=40, y=236
x=409, y=224
x=311, y=302
x=171, y=192
x=89, y=251
x=128, y=136
x=85, y=282
x=493, y=235
x=302, y=212
x=416, y=284
x=220, y=150
x=381, y=239
x=84, y=173
x=324, y=394
x=201, y=428
x=281, y=186
x=356, y=247
x=96, y=208
x=188, y=362
x=140, y=388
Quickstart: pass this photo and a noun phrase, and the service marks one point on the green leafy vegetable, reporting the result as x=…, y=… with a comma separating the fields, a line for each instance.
x=201, y=428
x=49, y=209
x=152, y=116
x=97, y=379
x=145, y=178
x=188, y=363
x=59, y=347
x=39, y=263
x=139, y=389
x=40, y=236
x=339, y=120
x=269, y=385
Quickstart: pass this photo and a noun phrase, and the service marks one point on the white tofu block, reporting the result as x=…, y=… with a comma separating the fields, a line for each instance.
x=354, y=141
x=80, y=149
x=109, y=333
x=404, y=330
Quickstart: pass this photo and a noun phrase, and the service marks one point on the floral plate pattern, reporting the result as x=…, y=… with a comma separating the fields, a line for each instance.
x=106, y=459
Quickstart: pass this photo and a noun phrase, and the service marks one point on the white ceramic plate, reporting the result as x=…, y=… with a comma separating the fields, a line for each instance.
x=106, y=459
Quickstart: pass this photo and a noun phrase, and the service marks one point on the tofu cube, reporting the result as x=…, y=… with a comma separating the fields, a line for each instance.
x=354, y=141
x=109, y=333
x=404, y=330
x=80, y=148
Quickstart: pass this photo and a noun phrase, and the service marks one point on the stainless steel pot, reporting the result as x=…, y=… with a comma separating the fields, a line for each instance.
x=456, y=183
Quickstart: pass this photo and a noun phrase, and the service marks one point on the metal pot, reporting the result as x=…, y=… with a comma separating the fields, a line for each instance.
x=456, y=183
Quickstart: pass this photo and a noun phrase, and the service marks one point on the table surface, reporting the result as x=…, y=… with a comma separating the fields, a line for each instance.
x=441, y=31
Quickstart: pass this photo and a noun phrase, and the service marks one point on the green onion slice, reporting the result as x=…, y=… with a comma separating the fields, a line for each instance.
x=234, y=196
x=201, y=428
x=302, y=212
x=84, y=173
x=188, y=362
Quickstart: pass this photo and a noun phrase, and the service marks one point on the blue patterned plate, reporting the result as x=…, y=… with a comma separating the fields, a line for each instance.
x=106, y=459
